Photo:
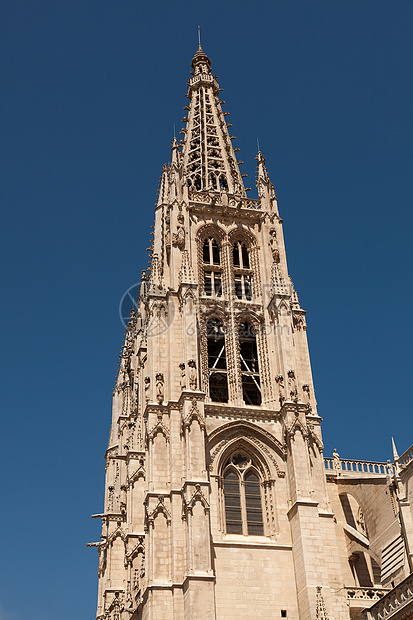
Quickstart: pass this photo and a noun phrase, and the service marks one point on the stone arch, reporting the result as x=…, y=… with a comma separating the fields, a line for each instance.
x=239, y=233
x=364, y=562
x=210, y=230
x=265, y=447
x=249, y=315
x=264, y=453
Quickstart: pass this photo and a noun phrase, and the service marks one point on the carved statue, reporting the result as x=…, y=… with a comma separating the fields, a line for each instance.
x=361, y=521
x=183, y=376
x=159, y=387
x=292, y=386
x=274, y=248
x=336, y=461
x=192, y=374
x=147, y=381
x=281, y=389
x=306, y=395
x=178, y=238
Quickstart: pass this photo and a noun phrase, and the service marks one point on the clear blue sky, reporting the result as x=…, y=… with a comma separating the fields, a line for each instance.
x=91, y=91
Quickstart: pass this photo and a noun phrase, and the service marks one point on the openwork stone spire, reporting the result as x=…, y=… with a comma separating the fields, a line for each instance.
x=208, y=156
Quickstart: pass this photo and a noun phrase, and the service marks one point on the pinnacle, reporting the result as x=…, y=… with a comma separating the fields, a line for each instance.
x=201, y=57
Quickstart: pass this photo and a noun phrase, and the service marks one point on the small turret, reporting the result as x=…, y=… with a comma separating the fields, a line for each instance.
x=266, y=190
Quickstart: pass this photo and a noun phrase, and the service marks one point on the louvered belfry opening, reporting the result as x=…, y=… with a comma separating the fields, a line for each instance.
x=217, y=361
x=251, y=387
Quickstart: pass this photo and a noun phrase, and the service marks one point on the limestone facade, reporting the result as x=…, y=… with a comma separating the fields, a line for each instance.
x=219, y=503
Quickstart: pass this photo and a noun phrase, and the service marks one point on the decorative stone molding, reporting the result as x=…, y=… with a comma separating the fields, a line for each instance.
x=321, y=611
x=158, y=428
x=194, y=414
x=159, y=508
x=138, y=548
x=299, y=320
x=197, y=496
x=249, y=436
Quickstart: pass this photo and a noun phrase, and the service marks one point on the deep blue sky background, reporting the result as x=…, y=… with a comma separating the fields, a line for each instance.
x=91, y=90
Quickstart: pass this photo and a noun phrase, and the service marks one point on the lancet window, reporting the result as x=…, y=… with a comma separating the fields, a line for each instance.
x=212, y=268
x=217, y=361
x=242, y=271
x=250, y=374
x=242, y=497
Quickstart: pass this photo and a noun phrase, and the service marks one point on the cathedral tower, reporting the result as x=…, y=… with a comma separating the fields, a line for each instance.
x=216, y=503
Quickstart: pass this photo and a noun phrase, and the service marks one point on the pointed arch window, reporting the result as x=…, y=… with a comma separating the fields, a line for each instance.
x=217, y=361
x=242, y=497
x=242, y=271
x=250, y=374
x=212, y=268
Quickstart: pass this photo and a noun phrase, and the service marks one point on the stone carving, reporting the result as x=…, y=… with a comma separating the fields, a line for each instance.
x=197, y=495
x=292, y=386
x=281, y=389
x=159, y=387
x=274, y=246
x=321, y=612
x=361, y=522
x=307, y=395
x=193, y=379
x=159, y=508
x=147, y=381
x=178, y=238
x=336, y=461
x=123, y=497
x=111, y=492
x=194, y=414
x=299, y=320
x=183, y=376
x=158, y=428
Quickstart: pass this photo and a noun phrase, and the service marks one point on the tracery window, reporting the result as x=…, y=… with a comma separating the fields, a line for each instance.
x=242, y=497
x=250, y=374
x=212, y=268
x=242, y=271
x=217, y=361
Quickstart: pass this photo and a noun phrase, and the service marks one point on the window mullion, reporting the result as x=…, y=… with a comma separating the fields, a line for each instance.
x=243, y=507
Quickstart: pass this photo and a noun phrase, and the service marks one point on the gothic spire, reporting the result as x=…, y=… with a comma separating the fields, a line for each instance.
x=208, y=156
x=266, y=190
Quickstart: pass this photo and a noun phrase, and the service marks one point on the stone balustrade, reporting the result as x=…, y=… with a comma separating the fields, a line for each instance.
x=406, y=457
x=351, y=466
x=396, y=603
x=364, y=596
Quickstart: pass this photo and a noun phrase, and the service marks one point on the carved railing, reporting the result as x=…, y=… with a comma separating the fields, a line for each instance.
x=350, y=466
x=406, y=457
x=365, y=594
x=394, y=603
x=212, y=197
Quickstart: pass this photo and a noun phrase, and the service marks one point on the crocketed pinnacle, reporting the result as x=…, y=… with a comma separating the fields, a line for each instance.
x=208, y=156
